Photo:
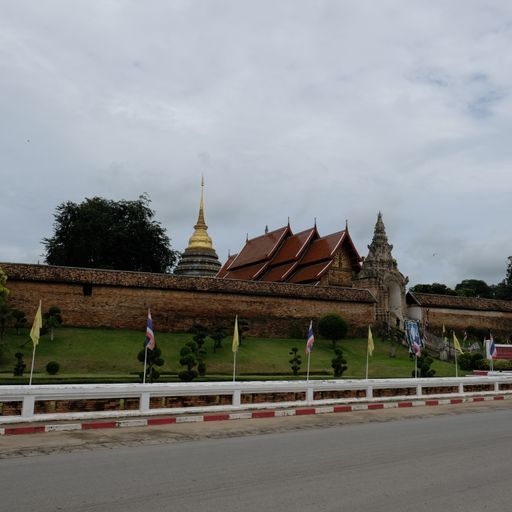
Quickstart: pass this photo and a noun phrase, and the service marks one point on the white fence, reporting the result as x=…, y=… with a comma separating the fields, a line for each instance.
x=234, y=394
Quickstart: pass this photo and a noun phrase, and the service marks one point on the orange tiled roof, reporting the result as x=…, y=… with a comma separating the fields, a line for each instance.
x=294, y=246
x=310, y=273
x=278, y=273
x=223, y=271
x=260, y=248
x=247, y=273
x=323, y=248
x=282, y=256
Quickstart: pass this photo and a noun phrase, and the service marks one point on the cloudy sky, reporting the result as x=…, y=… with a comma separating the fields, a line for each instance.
x=302, y=109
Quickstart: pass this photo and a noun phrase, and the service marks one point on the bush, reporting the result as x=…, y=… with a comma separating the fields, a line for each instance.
x=153, y=359
x=295, y=361
x=338, y=363
x=187, y=375
x=20, y=366
x=52, y=367
x=470, y=361
x=465, y=361
x=332, y=327
x=424, y=363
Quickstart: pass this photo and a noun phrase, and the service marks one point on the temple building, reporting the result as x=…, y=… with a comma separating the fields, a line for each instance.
x=300, y=258
x=199, y=258
x=332, y=260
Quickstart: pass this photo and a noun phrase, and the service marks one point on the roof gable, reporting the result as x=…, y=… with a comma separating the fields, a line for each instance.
x=294, y=246
x=260, y=248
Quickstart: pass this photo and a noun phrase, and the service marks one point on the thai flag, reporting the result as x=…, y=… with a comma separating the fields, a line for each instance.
x=311, y=339
x=492, y=347
x=150, y=335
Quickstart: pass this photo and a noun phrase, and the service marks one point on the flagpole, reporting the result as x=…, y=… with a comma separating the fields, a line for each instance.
x=367, y=359
x=234, y=366
x=35, y=332
x=456, y=368
x=309, y=360
x=32, y=368
x=145, y=361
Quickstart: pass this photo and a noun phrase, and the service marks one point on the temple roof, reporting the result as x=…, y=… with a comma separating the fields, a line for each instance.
x=280, y=255
x=260, y=248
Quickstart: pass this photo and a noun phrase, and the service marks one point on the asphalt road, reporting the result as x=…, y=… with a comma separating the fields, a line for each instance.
x=448, y=463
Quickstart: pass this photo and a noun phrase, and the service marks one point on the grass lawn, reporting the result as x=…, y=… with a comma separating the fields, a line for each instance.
x=110, y=355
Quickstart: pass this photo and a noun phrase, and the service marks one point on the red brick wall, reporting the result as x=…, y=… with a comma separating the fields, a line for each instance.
x=121, y=299
x=500, y=322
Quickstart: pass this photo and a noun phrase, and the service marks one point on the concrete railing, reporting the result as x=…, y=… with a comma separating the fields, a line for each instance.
x=43, y=402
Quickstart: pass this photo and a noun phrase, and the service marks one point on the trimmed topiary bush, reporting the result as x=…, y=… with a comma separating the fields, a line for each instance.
x=52, y=367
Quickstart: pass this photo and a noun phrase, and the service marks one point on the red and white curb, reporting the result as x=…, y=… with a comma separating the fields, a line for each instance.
x=145, y=422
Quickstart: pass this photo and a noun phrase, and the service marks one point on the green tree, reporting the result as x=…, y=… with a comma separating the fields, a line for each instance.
x=20, y=365
x=20, y=320
x=438, y=288
x=338, y=363
x=217, y=334
x=503, y=290
x=5, y=309
x=51, y=320
x=243, y=327
x=295, y=361
x=4, y=291
x=101, y=233
x=424, y=364
x=200, y=333
x=154, y=359
x=332, y=327
x=5, y=316
x=474, y=288
x=189, y=359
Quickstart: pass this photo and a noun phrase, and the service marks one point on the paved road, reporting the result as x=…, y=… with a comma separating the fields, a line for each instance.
x=446, y=463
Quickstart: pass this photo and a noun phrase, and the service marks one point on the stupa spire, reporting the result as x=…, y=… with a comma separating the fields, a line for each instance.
x=200, y=238
x=380, y=249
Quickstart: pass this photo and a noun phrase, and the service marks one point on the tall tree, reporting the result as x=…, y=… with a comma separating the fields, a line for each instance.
x=503, y=290
x=439, y=288
x=101, y=233
x=332, y=327
x=474, y=288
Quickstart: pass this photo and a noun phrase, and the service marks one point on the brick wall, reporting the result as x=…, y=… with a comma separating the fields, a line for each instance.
x=499, y=322
x=103, y=298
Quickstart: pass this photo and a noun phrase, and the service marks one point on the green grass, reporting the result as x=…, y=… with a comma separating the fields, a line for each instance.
x=110, y=355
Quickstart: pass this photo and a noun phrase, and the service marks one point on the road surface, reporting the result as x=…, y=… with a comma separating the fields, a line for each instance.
x=453, y=462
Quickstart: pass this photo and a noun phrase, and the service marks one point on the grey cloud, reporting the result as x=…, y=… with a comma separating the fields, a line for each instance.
x=327, y=109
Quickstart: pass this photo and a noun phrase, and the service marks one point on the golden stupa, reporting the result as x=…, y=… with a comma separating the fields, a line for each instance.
x=199, y=258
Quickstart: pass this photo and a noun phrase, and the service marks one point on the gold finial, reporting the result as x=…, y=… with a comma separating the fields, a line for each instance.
x=200, y=238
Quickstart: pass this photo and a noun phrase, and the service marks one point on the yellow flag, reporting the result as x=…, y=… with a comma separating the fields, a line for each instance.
x=36, y=326
x=456, y=344
x=371, y=346
x=236, y=340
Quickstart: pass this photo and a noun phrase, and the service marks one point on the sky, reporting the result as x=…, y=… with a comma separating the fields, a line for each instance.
x=333, y=110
